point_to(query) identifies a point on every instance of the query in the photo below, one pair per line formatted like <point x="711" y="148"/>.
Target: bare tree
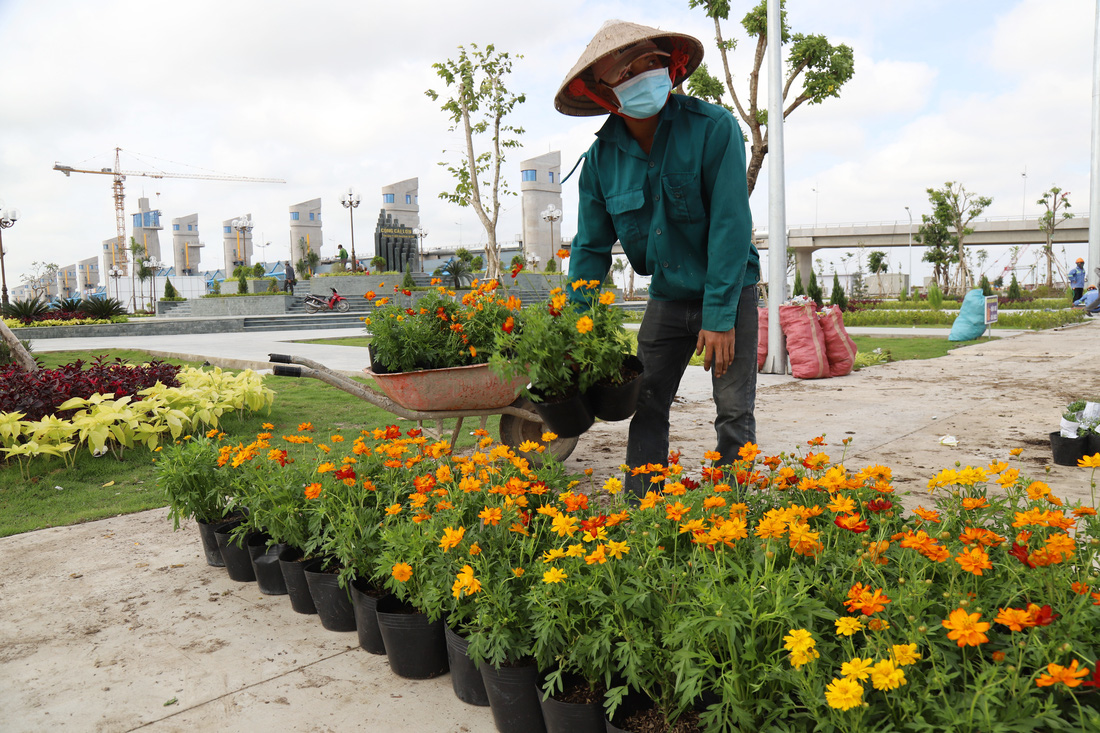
<point x="1051" y="201"/>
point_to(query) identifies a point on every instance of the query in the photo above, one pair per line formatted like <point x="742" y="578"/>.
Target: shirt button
<point x="652" y="164"/>
<point x="657" y="197"/>
<point x="664" y="264"/>
<point x="658" y="232"/>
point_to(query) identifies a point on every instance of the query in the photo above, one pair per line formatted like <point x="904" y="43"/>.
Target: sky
<point x="994" y="94"/>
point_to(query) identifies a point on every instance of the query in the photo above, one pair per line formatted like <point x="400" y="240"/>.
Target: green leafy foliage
<point x="1014" y="290"/>
<point x="798" y="289"/>
<point x="813" y="291"/>
<point x="193" y="483"/>
<point x="170" y="292"/>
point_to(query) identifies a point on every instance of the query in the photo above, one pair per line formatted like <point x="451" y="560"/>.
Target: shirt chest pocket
<point x="683" y="197"/>
<point x="626" y="214"/>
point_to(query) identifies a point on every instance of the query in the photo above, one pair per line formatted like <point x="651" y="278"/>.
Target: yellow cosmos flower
<point x="451" y="537"/>
<point x="551" y="555"/>
<point x="857" y="669"/>
<point x="553" y="575"/>
<point x="844" y="694"/>
<point x="848" y="625"/>
<point x="904" y="654"/>
<point x="885" y="676"/>
<point x="575" y="551"/>
<point x="564" y="525"/>
<point x="585" y="324"/>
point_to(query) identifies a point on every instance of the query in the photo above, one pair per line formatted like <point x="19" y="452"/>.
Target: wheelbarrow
<point x="518" y="421"/>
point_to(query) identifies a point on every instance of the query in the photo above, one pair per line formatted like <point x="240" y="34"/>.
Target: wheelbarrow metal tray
<point x="472" y="387"/>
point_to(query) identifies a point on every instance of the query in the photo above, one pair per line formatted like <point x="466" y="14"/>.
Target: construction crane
<point x="119" y="195"/>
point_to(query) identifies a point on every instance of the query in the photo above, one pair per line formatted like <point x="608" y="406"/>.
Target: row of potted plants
<point x="1078" y="434"/>
<point x="778" y="591"/>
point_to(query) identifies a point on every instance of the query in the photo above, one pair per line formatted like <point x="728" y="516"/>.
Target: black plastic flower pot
<point x="465" y="676"/>
<point x="1067" y="451"/>
<point x="294" y="575"/>
<point x="1092" y="444"/>
<point x="568" y="417"/>
<point x="416" y="648"/>
<point x="364" y="599"/>
<point x="238" y="563"/>
<point x="617" y="402"/>
<point x="571" y="717"/>
<point x="514" y="697"/>
<point x="332" y="602"/>
<point x="265" y="565"/>
<point x="210" y="544"/>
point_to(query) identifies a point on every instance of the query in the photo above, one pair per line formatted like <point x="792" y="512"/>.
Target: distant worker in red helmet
<point x="1077" y="280"/>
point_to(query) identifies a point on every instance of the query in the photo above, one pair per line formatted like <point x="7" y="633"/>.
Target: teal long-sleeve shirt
<point x="681" y="212"/>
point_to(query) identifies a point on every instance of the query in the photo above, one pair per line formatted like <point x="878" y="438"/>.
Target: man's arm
<point x="590" y="253"/>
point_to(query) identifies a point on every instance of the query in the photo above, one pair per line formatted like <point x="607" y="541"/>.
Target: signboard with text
<point x="990" y="309"/>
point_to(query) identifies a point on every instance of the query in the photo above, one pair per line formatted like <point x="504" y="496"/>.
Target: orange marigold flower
<point x="749" y="452"/>
<point x="402" y="571"/>
<point x="313" y="491"/>
<point x="967" y="629"/>
<point x="1016" y="619"/>
<point x="974" y="502"/>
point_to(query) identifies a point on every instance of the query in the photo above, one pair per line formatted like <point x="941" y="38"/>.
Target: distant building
<point x="401" y="201"/>
<point x="87" y="276"/>
<point x="186" y="247"/>
<point x="115" y="257"/>
<point x="540" y="187"/>
<point x="65" y="285"/>
<point x="305" y="229"/>
<point x="236" y="245"/>
<point x="146" y="230"/>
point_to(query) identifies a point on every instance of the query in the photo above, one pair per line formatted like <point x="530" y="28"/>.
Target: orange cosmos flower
<point x="451" y="537"/>
<point x="402" y="572"/>
<point x="491" y="516"/>
<point x="313" y="491"/>
<point x="749" y="452"/>
<point x="974" y="502"/>
<point x="966" y="629"/>
<point x="1069" y="676"/>
<point x="974" y="561"/>
<point x="676" y="511"/>
<point x="607" y="298"/>
<point x="1016" y="619"/>
<point x="860" y="598"/>
<point x="584" y="324"/>
<point x="927" y="515"/>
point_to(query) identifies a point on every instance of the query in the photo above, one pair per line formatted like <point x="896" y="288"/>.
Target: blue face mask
<point x="645" y="94"/>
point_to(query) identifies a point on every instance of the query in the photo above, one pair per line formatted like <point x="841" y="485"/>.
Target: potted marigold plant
<point x="412" y="345"/>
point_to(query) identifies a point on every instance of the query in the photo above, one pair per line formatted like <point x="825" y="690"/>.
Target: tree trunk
<point x="22" y="357"/>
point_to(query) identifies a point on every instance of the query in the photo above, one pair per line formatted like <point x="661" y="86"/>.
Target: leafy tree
<point x="464" y="254"/>
<point x="242" y="283"/>
<point x="378" y="262"/>
<point x="813" y="290"/>
<point x="479" y="104"/>
<point x="838" y="297"/>
<point x="518" y="260"/>
<point x="170" y="292"/>
<point x="216" y="287"/>
<point x="407" y="282"/>
<point x="258" y="270"/>
<point x="939" y="248"/>
<point x="478" y="263"/>
<point x="987" y="289"/>
<point x="1014" y="291"/>
<point x="878" y="263"/>
<point x="955" y="207"/>
<point x="798" y="288"/>
<point x="823" y="68"/>
<point x="1051" y="201"/>
<point x="551" y="266"/>
<point x="619" y="265"/>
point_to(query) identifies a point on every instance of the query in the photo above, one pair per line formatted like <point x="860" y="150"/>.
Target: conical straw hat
<point x="612" y="36"/>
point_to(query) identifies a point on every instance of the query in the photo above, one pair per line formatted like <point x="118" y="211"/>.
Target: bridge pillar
<point x="803" y="256"/>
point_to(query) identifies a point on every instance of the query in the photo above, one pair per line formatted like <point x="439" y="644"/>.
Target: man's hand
<point x="718" y="346"/>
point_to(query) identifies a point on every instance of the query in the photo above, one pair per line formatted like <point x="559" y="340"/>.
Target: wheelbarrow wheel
<point x="515" y="430"/>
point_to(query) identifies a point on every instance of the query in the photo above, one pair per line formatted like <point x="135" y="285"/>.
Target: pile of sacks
<point x="818" y="346"/>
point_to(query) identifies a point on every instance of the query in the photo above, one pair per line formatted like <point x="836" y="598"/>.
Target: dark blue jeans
<point x="666" y="342"/>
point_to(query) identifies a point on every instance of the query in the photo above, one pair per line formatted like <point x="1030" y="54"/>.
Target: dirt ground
<point x="119" y="625"/>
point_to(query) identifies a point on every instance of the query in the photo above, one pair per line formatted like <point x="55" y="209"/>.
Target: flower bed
<point x="782" y="591"/>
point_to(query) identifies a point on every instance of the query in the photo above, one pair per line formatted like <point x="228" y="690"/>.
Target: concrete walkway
<point x="119" y="625"/>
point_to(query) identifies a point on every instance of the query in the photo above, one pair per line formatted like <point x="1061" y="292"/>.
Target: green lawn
<point x="104" y="487"/>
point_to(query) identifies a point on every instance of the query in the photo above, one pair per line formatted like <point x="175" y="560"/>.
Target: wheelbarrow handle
<point x="279" y="370"/>
<point x="280" y="358"/>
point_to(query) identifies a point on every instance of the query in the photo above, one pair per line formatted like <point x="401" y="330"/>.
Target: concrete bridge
<point x="878" y="235"/>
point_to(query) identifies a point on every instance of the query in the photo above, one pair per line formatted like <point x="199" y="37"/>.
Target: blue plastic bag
<point x="970" y="323"/>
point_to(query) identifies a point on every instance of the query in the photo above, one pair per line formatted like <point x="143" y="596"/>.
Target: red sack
<point x="839" y="347"/>
<point x="805" y="341"/>
<point x="762" y="338"/>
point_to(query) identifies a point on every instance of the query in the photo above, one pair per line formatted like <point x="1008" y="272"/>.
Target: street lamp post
<point x="115" y="273"/>
<point x="152" y="264"/>
<point x="242" y="224"/>
<point x="7" y="220"/>
<point x="910" y="213"/>
<point x="552" y="214"/>
<point x="350" y="201"/>
<point x="420" y="233"/>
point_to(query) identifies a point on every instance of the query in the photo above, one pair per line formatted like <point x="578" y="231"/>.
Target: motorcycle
<point x="335" y="302"/>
